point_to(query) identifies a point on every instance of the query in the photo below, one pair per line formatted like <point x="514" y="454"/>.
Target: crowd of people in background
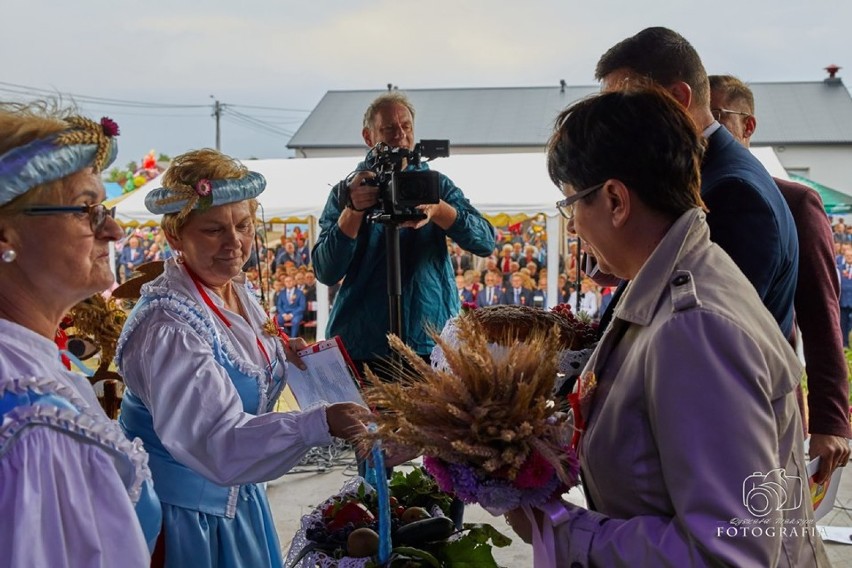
<point x="843" y="257"/>
<point x="140" y="245"/>
<point x="287" y="281"/>
<point x="515" y="273"/>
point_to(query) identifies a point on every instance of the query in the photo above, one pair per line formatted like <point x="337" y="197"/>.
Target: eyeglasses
<point x="566" y="206"/>
<point x="97" y="213"/>
<point x="718" y="113"/>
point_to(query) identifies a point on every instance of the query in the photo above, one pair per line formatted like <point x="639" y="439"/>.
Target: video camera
<point x="401" y="191"/>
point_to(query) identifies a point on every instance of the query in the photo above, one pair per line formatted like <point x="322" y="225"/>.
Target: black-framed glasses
<point x="719" y="113"/>
<point x="97" y="213"/>
<point x="566" y="206"/>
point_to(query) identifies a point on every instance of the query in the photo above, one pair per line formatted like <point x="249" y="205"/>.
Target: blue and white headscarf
<point x="83" y="144"/>
<point x="182" y="199"/>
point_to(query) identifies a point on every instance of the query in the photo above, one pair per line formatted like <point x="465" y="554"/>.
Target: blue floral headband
<point x="182" y="198"/>
<point x="85" y="143"/>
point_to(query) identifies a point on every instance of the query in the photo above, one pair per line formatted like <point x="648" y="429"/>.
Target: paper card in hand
<point x="329" y="377"/>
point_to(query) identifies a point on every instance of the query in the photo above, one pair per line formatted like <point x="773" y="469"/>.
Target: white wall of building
<point x="830" y="165"/>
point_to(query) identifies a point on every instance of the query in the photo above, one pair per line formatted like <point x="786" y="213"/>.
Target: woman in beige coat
<point x="691" y="446"/>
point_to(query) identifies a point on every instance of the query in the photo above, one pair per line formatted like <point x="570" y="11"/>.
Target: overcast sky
<point x="286" y="54"/>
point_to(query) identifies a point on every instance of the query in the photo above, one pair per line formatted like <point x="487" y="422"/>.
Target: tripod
<point x="392" y="221"/>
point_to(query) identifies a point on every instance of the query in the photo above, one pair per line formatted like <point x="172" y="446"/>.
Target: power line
<point x="258" y="123"/>
<point x="26" y="90"/>
<point x="277" y="120"/>
<point x="253" y="126"/>
<point x="220" y="110"/>
<point x="94" y="107"/>
<point x="273" y="108"/>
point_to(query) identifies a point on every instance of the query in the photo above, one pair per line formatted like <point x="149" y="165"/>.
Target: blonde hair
<point x="187" y="169"/>
<point x="385" y="100"/>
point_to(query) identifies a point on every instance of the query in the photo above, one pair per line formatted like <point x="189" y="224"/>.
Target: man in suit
<point x="490" y="295"/>
<point x="490" y="266"/>
<point x="461" y="260"/>
<point x="287" y="253"/>
<point x="290" y="306"/>
<point x="516" y="294"/>
<point x="303" y="251"/>
<point x="748" y="217"/>
<point x="817" y="299"/>
<point x="132" y="255"/>
<point x="845" y="269"/>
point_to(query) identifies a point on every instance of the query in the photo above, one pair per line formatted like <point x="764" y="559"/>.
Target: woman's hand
<point x="290" y="349"/>
<point x="518" y="521"/>
<point x="346" y="420"/>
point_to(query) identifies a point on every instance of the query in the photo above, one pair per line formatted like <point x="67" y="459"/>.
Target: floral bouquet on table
<point x="486" y="422"/>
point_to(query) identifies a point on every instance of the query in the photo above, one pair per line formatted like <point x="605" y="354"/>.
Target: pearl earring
<point x="9" y="255"/>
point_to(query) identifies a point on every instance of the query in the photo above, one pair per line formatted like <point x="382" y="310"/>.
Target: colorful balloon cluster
<point x="134" y="177"/>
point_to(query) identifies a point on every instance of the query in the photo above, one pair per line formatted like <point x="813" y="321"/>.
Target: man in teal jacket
<point x="353" y="249"/>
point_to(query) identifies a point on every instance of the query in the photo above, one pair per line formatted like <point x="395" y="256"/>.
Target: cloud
<point x="290" y="52"/>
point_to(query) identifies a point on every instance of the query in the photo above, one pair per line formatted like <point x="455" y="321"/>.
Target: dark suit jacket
<point x="818" y="312"/>
<point x="482" y="298"/>
<point x="508" y="297"/>
<point x="749" y="219"/>
<point x="465" y="264"/>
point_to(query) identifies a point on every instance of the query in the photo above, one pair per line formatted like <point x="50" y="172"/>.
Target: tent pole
<point x="554" y="230"/>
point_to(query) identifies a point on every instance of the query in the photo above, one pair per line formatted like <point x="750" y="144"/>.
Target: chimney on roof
<point x="832" y="78"/>
<point x="562" y="86"/>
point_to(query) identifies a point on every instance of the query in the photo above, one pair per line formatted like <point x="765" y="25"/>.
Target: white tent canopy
<point x="494" y="183"/>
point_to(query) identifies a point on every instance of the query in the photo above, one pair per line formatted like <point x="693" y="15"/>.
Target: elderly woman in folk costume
<point x="69" y="479"/>
<point x="204" y="366"/>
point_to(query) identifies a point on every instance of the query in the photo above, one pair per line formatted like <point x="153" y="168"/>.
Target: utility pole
<point x="217" y="114"/>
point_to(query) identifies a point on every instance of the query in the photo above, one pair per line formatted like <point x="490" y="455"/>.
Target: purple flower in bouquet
<point x="500" y="494"/>
<point x="540" y="495"/>
<point x="465" y="483"/>
<point x="439" y="471"/>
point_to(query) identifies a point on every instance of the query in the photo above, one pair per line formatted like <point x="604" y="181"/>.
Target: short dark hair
<point x="732" y="89"/>
<point x="662" y="55"/>
<point x="642" y="137"/>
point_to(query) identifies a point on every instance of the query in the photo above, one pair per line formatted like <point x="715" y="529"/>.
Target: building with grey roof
<point x="808" y="123"/>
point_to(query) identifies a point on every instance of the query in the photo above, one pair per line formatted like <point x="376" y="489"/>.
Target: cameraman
<point x="351" y="248"/>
